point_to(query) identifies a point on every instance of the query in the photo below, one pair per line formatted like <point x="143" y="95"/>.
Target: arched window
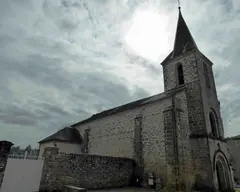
<point x="214" y="124"/>
<point x="180" y="74"/>
<point x="206" y="75"/>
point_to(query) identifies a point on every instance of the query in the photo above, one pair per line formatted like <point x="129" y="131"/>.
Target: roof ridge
<point x="130" y="105"/>
<point x="67" y="134"/>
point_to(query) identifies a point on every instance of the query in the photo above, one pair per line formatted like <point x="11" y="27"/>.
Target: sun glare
<point x="148" y="34"/>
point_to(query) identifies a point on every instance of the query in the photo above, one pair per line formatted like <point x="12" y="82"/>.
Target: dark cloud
<point x="61" y="61"/>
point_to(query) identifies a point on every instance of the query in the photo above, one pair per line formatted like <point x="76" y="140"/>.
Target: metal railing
<point x="24" y="157"/>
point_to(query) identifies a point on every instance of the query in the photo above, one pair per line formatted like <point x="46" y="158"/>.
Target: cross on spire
<point x="179" y="5"/>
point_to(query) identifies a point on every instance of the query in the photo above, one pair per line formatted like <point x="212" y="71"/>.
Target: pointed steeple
<point x="183" y="39"/>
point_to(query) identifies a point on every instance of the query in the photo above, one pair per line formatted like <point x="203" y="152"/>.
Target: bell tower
<point x="187" y="67"/>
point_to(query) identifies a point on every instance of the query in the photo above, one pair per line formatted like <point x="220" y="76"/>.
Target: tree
<point x="15" y="150"/>
<point x="28" y="148"/>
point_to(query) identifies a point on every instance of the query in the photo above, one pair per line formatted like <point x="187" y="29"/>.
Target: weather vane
<point x="179" y="6"/>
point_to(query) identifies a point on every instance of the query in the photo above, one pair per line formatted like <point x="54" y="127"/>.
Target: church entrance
<point x="223" y="175"/>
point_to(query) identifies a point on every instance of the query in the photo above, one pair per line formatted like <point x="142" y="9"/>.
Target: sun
<point x="147" y="35"/>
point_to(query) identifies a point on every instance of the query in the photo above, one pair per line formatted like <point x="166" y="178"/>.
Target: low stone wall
<point x="5" y="147"/>
<point x="86" y="171"/>
<point x="3" y="162"/>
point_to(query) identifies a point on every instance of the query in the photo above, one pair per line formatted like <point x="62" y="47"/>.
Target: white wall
<point x="63" y="147"/>
<point x="22" y="175"/>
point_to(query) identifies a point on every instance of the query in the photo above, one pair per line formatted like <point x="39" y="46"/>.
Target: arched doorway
<point x="223" y="174"/>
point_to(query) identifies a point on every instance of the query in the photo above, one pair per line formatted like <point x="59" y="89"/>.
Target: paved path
<point x="123" y="190"/>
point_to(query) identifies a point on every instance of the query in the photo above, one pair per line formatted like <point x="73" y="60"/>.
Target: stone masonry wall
<point x="116" y="135"/>
<point x="189" y="71"/>
<point x="234" y="148"/>
<point x="87" y="171"/>
<point x="211" y="103"/>
<point x="209" y="95"/>
<point x="3" y="162"/>
<point x="177" y="143"/>
<point x="200" y="151"/>
<point x="5" y="147"/>
<point x="183" y="131"/>
<point x="170" y="150"/>
<point x="198" y="132"/>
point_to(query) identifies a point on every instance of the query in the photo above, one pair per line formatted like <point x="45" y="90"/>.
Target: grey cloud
<point x="11" y="119"/>
<point x="61" y="61"/>
<point x="54" y="109"/>
<point x="12" y="114"/>
<point x="82" y="112"/>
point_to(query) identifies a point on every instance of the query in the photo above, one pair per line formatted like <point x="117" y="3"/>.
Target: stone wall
<point x="3" y="162"/>
<point x="140" y="134"/>
<point x="117" y="135"/>
<point x="119" y="130"/>
<point x="5" y="147"/>
<point x="201" y="99"/>
<point x="209" y="93"/>
<point x="211" y="104"/>
<point x="170" y="146"/>
<point x="234" y="148"/>
<point x="197" y="107"/>
<point x="182" y="132"/>
<point x="177" y="143"/>
<point x="87" y="171"/>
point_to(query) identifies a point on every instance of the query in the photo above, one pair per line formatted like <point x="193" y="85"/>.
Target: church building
<point x="175" y="135"/>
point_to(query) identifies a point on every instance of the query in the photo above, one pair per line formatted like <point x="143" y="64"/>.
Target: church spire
<point x="183" y="39"/>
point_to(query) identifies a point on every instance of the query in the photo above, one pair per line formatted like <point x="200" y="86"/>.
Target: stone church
<point x="174" y="135"/>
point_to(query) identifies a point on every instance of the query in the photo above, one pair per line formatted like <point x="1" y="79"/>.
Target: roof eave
<point x="60" y="140"/>
<point x="166" y="60"/>
<point x="171" y="92"/>
<point x="8" y="142"/>
<point x="232" y="138"/>
<point x="208" y="60"/>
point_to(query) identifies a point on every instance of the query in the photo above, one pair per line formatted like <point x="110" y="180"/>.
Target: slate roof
<point x="183" y="38"/>
<point x="184" y="41"/>
<point x="131" y="105"/>
<point x="7" y="143"/>
<point x="67" y="134"/>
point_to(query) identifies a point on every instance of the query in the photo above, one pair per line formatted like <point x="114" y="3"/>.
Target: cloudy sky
<point x="63" y="60"/>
